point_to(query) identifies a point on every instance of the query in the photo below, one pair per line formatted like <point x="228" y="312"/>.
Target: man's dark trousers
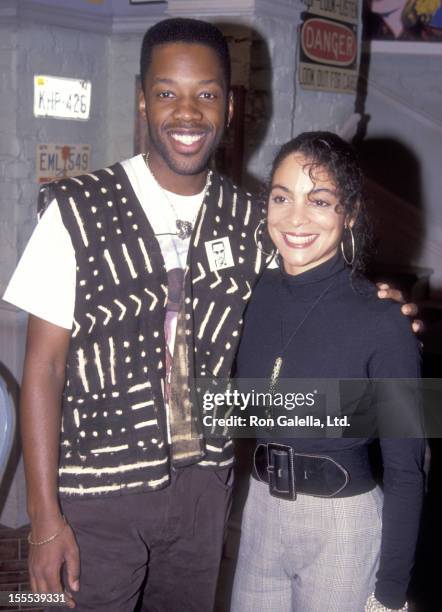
<point x="163" y="547"/>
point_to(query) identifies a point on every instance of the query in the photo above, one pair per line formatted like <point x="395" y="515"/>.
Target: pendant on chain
<point x="275" y="374"/>
<point x="184" y="229"/>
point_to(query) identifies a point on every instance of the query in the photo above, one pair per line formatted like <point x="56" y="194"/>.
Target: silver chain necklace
<point x="184" y="228"/>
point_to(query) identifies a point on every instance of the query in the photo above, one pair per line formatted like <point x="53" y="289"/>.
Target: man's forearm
<point x="40" y="412"/>
<point x="40" y="408"/>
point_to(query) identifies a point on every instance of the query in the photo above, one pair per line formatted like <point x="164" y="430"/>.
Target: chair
<point x="7" y="426"/>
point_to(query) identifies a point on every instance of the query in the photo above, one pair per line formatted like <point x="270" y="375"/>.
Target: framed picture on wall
<point x="404" y="20"/>
<point x="228" y="159"/>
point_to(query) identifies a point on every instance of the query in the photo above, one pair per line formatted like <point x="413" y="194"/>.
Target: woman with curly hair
<point x="318" y="533"/>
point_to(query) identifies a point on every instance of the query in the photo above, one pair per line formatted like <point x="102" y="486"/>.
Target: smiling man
<point x="127" y="501"/>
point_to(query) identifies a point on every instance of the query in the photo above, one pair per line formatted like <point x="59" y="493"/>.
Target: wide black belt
<point x="288" y="473"/>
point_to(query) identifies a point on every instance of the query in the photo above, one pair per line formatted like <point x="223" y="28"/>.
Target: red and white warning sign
<point x="329" y="47"/>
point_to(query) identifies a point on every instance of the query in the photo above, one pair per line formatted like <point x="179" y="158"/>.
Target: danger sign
<point x="328" y="55"/>
<point x="328" y="42"/>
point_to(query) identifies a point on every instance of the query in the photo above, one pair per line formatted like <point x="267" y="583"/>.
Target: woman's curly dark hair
<point x="329" y="151"/>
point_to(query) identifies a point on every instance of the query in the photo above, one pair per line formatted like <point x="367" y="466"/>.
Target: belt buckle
<point x="281" y="471"/>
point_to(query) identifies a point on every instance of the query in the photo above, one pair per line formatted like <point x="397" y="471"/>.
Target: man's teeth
<point x="187" y="139"/>
<point x="300" y="239"/>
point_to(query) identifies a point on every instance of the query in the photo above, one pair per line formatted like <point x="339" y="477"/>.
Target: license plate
<point x="56" y="161"/>
<point x="61" y="98"/>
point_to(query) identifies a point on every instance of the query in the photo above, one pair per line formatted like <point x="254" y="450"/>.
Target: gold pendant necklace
<point x="274" y="378"/>
<point x="184" y="228"/>
<point x="275" y="374"/>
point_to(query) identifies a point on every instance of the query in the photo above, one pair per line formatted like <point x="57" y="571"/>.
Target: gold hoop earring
<point x="353" y="248"/>
<point x="258" y="244"/>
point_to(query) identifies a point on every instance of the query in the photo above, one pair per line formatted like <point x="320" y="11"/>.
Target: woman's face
<point x="303" y="220"/>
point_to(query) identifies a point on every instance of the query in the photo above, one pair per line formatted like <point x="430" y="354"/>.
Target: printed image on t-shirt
<point x="175" y="279"/>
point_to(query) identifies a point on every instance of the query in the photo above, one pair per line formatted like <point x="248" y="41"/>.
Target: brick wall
<point x="13" y="563"/>
<point x="27" y="49"/>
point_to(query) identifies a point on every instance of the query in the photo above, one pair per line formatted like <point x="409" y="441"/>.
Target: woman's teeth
<point x="300" y="239"/>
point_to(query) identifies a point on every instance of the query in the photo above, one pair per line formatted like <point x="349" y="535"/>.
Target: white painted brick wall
<point x="25" y="50"/>
<point x="58" y="52"/>
<point x="124" y="55"/>
<point x="405" y="104"/>
<point x="279" y="81"/>
<point x="10" y="339"/>
<point x="9" y="150"/>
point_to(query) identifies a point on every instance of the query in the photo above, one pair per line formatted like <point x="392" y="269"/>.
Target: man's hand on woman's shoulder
<point x="409" y="310"/>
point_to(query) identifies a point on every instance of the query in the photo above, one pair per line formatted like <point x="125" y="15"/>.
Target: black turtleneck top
<point x="350" y="333"/>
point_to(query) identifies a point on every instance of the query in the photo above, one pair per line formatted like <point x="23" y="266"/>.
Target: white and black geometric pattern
<point x="113" y="438"/>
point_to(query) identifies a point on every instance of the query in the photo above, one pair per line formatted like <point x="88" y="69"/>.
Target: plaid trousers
<point x="308" y="555"/>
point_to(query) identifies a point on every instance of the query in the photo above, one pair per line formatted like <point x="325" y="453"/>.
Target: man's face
<point x="220" y="253"/>
<point x="186" y="106"/>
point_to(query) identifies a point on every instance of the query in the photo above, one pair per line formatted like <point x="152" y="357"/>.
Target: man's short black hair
<point x="181" y="30"/>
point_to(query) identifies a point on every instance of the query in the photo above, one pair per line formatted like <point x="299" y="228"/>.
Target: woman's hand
<point x="409" y="310"/>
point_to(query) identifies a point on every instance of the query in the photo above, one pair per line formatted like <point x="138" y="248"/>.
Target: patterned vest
<point x="113" y="438"/>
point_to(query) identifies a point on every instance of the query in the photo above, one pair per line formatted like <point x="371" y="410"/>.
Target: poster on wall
<point x="404" y="20"/>
<point x="56" y="161"/>
<point x="328" y="42"/>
